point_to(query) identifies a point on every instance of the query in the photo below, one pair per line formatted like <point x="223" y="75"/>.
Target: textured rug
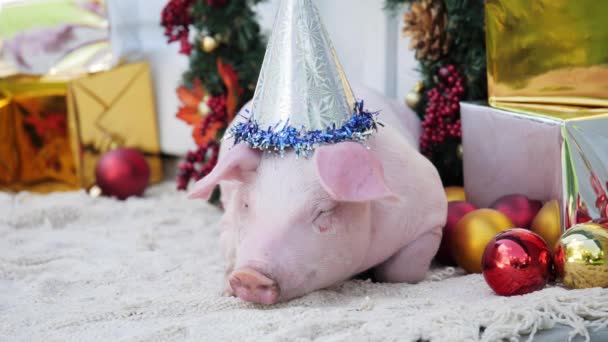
<point x="76" y="268"/>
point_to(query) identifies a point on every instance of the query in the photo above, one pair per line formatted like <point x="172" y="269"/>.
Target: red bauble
<point x="456" y="210"/>
<point x="122" y="173"/>
<point x="516" y="262"/>
<point x="519" y="209"/>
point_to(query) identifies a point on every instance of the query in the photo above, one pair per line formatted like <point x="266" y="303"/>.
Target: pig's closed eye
<point x="323" y="223"/>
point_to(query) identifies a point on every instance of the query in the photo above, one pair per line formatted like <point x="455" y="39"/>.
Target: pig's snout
<point x="252" y="286"/>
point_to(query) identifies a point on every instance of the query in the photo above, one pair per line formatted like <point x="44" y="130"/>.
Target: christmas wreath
<point x="223" y="41"/>
<point x="449" y="40"/>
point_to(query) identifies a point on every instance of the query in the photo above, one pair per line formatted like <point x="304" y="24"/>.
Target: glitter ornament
<point x="516" y="262"/>
<point x="518" y="208"/>
<point x="122" y="173"/>
<point x="581" y="256"/>
<point x="472" y="234"/>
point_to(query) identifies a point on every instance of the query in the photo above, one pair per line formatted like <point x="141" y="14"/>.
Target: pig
<point x="295" y="225"/>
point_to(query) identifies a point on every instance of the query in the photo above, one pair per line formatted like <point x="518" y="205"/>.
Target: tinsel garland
<point x="274" y="139"/>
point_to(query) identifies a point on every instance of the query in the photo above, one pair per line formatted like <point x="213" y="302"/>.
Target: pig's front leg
<point x="411" y="263"/>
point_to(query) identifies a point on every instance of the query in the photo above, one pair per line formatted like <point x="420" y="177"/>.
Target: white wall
<point x="368" y="42"/>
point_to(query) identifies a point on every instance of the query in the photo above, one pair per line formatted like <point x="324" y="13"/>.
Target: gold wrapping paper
<point x="54" y="37"/>
<point x="113" y="109"/>
<point x="548" y="57"/>
<point x="57" y="130"/>
<point x="8" y="153"/>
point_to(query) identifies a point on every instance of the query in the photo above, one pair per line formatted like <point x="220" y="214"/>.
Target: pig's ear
<point x="239" y="161"/>
<point x="349" y="172"/>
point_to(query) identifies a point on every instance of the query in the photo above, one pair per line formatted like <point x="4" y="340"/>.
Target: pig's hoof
<point x="252" y="286"/>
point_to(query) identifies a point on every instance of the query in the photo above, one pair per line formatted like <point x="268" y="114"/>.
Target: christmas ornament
<point x="455" y="193"/>
<point x="518" y="208"/>
<point x="472" y="234"/>
<point x="547" y="223"/>
<point x="209" y="44"/>
<point x="122" y="173"/>
<point x="442" y="113"/>
<point x="415" y="95"/>
<point x="426" y="25"/>
<point x="413" y="99"/>
<point x="456" y="210"/>
<point x="516" y="262"/>
<point x="581" y="255"/>
<point x="95" y="191"/>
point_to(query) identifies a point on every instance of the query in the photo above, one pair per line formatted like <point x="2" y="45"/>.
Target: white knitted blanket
<point x="75" y="268"/>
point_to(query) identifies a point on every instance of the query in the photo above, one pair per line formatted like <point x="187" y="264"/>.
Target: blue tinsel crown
<point x="358" y="128"/>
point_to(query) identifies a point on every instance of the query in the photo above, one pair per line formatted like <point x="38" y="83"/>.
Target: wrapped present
<point x="61" y="128"/>
<point x="8" y="154"/>
<point x="63" y="37"/>
<point x="544" y="157"/>
<point x="548" y="56"/>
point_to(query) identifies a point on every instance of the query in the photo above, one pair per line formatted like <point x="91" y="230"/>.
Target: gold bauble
<point x="413" y="99"/>
<point x="95" y="191"/>
<point x="209" y="44"/>
<point x="548" y="224"/>
<point x="455" y="194"/>
<point x="581" y="256"/>
<point x="460" y="152"/>
<point x="473" y="233"/>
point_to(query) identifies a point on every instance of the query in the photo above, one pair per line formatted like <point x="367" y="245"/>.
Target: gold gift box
<point x="53" y="132"/>
<point x="548" y="57"/>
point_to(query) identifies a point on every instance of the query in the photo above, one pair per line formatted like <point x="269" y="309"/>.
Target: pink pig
<point x="292" y="226"/>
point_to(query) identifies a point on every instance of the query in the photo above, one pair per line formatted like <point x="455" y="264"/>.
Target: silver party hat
<point x="303" y="97"/>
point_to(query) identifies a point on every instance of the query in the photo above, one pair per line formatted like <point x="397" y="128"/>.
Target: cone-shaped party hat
<point x="303" y="98"/>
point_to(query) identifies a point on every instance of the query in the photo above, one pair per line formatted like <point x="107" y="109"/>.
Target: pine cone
<point x="426" y="25"/>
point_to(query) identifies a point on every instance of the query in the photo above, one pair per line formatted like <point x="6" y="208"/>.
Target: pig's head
<point x="302" y="224"/>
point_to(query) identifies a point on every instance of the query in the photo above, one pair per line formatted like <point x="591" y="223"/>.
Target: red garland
<point x="442" y="118"/>
<point x="217" y="3"/>
<point x="198" y="164"/>
<point x="176" y="18"/>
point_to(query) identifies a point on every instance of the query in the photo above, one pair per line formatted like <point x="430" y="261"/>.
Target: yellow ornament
<point x="455" y="194"/>
<point x="203" y="106"/>
<point x="548" y="224"/>
<point x="209" y="44"/>
<point x="473" y="233"/>
<point x="581" y="256"/>
<point x="412" y="99"/>
<point x="460" y="152"/>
